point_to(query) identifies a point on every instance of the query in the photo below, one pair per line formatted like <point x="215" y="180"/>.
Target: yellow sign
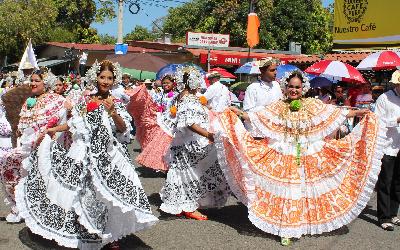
<point x="366" y="24"/>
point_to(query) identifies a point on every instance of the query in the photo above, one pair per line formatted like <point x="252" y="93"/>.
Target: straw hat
<point x="396" y="77"/>
<point x="147" y="81"/>
<point x="268" y="61"/>
<point x="213" y="74"/>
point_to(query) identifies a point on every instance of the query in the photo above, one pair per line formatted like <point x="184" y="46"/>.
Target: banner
<point x="253" y="23"/>
<point x="207" y="39"/>
<point x="366" y="24"/>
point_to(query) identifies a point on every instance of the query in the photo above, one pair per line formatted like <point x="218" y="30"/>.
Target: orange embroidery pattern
<point x="352" y="160"/>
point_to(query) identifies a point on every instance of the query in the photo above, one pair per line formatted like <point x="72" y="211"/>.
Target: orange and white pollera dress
<point x="297" y="180"/>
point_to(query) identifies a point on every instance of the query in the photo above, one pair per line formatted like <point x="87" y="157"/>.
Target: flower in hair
<point x="285" y="80"/>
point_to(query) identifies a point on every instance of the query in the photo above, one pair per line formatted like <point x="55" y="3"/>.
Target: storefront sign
<point x="207" y="39"/>
<point x="366" y="23"/>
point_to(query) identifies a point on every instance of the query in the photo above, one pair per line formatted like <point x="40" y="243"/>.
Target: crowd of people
<point x="70" y="177"/>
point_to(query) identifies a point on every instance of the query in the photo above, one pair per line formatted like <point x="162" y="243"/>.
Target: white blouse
<point x="388" y="110"/>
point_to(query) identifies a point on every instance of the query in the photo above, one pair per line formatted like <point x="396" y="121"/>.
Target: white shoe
<point x="13" y="218"/>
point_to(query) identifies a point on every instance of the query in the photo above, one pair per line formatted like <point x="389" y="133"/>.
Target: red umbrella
<point x="224" y="73"/>
<point x="336" y="70"/>
<point x="384" y="60"/>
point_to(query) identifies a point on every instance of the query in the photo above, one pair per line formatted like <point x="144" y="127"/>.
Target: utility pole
<point x="120" y="20"/>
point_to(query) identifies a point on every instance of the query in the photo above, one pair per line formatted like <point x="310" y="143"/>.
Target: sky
<point x="149" y="11"/>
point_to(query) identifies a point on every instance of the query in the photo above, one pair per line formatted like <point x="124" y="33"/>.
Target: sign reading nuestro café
<point x="207" y="39"/>
<point x="366" y="24"/>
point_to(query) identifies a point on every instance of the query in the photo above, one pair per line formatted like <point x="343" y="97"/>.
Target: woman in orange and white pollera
<point x="296" y="180"/>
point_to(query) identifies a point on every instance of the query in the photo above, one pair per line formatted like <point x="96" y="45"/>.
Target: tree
<point x="282" y="21"/>
<point x="74" y="14"/>
<point x="303" y="21"/>
<point x="21" y="20"/>
<point x="107" y="39"/>
<point x="139" y="33"/>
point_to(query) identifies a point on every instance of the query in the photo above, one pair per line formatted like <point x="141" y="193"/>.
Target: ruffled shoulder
<point x="191" y="111"/>
<point x="314" y="121"/>
<point x="47" y="107"/>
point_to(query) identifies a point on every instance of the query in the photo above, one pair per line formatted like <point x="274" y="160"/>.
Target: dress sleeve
<point x="381" y="112"/>
<point x="125" y="136"/>
<point x="249" y="102"/>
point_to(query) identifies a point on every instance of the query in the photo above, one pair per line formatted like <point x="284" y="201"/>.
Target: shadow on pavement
<point x="235" y="216"/>
<point x="150" y="173"/>
<point x="369" y="211"/>
<point x="154" y="199"/>
<point x="37" y="242"/>
<point x="132" y="242"/>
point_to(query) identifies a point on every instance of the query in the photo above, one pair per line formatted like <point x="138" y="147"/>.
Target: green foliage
<point x="282" y="21"/>
<point x="60" y="34"/>
<point x="87" y="35"/>
<point x="21" y="20"/>
<point x="75" y="13"/>
<point x="49" y="20"/>
<point x="140" y="33"/>
<point x="107" y="39"/>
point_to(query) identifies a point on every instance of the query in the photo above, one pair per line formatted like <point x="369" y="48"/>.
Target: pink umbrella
<point x="336" y="70"/>
<point x="384" y="60"/>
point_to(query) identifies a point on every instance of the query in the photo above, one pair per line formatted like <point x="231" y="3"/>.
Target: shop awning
<point x="51" y="63"/>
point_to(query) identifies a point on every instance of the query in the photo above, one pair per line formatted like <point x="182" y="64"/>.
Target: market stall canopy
<point x="139" y="61"/>
<point x="139" y="74"/>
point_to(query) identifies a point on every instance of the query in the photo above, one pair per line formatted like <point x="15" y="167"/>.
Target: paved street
<point x="228" y="228"/>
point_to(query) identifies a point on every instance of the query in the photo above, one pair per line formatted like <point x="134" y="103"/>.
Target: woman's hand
<point x="235" y="110"/>
<point x="51" y="132"/>
<point x="239" y="112"/>
<point x="210" y="136"/>
<point x="109" y="105"/>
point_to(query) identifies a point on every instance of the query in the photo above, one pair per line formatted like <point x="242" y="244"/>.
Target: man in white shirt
<point x="388" y="111"/>
<point x="82" y="62"/>
<point x="218" y="95"/>
<point x="263" y="92"/>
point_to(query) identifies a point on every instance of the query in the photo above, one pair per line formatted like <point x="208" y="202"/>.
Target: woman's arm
<point x="118" y="121"/>
<point x="201" y="131"/>
<point x="359" y="112"/>
<point x="240" y="113"/>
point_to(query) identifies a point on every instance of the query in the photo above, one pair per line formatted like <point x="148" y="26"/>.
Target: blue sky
<point x="150" y="10"/>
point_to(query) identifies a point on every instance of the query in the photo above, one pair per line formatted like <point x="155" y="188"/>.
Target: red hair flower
<point x="92" y="106"/>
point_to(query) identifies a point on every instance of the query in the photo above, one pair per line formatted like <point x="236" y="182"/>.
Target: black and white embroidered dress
<point x="194" y="179"/>
<point x="90" y="195"/>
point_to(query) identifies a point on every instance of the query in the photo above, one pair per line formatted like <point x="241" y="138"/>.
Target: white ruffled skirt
<point x="85" y="197"/>
<point x="194" y="179"/>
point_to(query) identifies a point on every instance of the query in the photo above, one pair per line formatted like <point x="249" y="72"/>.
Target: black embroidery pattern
<point x="188" y="155"/>
<point x="48" y="216"/>
<point x="64" y="169"/>
<point x="211" y="182"/>
<point x="121" y="188"/>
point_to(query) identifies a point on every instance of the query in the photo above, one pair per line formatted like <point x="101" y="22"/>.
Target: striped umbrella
<point x="383" y="60"/>
<point x="336" y="70"/>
